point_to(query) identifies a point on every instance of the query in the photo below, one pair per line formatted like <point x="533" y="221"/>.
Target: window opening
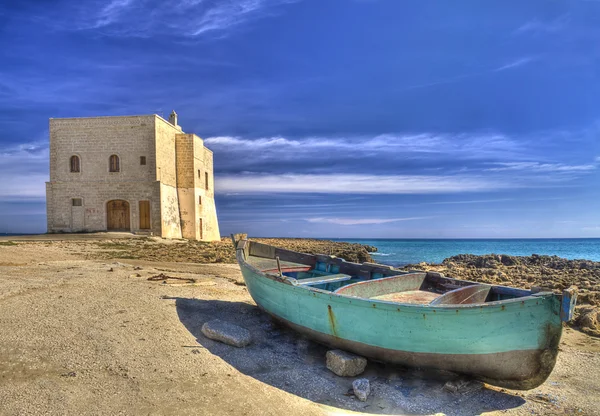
<point x="75" y="164"/>
<point x="114" y="164"/>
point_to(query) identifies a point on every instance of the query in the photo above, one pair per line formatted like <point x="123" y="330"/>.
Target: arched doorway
<point x="117" y="215"/>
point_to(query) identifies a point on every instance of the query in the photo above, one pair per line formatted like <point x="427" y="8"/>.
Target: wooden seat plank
<point x="319" y="280"/>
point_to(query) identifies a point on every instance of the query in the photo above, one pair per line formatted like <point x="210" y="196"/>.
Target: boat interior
<point x="369" y="280"/>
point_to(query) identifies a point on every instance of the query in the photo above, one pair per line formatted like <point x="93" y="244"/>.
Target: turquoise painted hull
<point x="511" y="343"/>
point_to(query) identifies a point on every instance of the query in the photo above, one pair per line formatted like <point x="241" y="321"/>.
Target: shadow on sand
<point x="285" y="360"/>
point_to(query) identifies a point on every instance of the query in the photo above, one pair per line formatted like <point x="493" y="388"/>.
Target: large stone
<point x="361" y="388"/>
<point x="588" y="320"/>
<point x="226" y="333"/>
<point x="345" y="364"/>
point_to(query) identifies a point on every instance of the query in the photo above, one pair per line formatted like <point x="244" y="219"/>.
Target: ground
<point x="82" y="335"/>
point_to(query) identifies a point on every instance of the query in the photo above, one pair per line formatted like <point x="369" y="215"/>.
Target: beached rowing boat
<point x="504" y="336"/>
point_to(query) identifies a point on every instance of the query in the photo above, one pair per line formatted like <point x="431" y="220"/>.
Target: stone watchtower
<point x="131" y="173"/>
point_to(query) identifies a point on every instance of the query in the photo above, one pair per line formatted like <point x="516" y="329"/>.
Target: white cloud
<point x="111" y="12"/>
<point x="142" y="18"/>
<point x="516" y="63"/>
<point x="462" y="146"/>
<point x="355" y="184"/>
<point x="541" y="167"/>
<point x="536" y="26"/>
<point x="361" y="221"/>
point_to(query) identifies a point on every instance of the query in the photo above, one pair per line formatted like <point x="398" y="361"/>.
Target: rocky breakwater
<point x="548" y="272"/>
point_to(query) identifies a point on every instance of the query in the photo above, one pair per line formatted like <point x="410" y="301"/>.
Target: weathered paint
<point x="512" y="343"/>
<point x="569" y="299"/>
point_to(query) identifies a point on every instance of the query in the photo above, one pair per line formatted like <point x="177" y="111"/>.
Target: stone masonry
<point x="163" y="184"/>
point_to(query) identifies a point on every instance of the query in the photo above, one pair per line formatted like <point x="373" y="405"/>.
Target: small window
<point x="114" y="164"/>
<point x="199" y="174"/>
<point x="142" y="160"/>
<point x="77" y="202"/>
<point x="75" y="164"/>
<point x="206" y="180"/>
<point x="200" y="200"/>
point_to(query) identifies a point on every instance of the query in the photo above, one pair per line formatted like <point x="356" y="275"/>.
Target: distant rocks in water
<point x="226" y="333"/>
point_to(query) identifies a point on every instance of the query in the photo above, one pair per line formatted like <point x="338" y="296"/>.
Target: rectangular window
<point x="200" y="200"/>
<point x="77" y="202"/>
<point x="142" y="160"/>
<point x="199" y="174"/>
<point x="206" y="180"/>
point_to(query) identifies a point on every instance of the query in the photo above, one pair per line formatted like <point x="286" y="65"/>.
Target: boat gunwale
<point x="486" y="305"/>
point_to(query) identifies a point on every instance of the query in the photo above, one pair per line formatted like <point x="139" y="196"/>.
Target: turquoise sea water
<point x="399" y="252"/>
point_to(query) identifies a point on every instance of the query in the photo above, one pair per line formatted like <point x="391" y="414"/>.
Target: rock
<point x="588" y="320"/>
<point x="226" y="333"/>
<point x="508" y="260"/>
<point x="361" y="388"/>
<point x="462" y="386"/>
<point x="135" y="275"/>
<point x="345" y="364"/>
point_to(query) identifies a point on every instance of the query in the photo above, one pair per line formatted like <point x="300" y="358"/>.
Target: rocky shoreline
<point x="154" y="249"/>
<point x="547" y="272"/>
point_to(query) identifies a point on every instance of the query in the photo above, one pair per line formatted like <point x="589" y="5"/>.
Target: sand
<point x="86" y="336"/>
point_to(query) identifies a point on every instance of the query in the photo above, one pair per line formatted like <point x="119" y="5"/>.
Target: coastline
<point x="81" y="324"/>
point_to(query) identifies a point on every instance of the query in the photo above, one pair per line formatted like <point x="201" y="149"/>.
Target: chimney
<point x="173" y="118"/>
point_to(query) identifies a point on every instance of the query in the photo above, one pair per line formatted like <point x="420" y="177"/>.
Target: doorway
<point x="117" y="215"/>
<point x="144" y="215"/>
<point x="77" y="215"/>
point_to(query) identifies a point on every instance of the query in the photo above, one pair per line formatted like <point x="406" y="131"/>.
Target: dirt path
<point x="96" y="337"/>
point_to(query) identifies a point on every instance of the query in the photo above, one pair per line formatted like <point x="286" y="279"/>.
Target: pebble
<point x="462" y="386"/>
<point x="361" y="388"/>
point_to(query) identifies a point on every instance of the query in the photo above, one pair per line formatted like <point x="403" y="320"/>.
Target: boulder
<point x="226" y="333"/>
<point x="588" y="320"/>
<point x="345" y="364"/>
<point x="361" y="388"/>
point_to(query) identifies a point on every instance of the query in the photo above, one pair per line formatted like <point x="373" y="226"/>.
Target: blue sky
<point x="337" y="118"/>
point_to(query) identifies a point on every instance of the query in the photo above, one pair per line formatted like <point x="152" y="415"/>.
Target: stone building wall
<point x="166" y="173"/>
<point x="208" y="210"/>
<point x="94" y="140"/>
<point x="185" y="184"/>
<point x="180" y="206"/>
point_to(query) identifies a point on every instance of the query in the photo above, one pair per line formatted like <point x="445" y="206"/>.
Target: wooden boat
<point x="503" y="336"/>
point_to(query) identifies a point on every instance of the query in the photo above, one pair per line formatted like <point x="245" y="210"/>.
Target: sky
<point x="337" y="118"/>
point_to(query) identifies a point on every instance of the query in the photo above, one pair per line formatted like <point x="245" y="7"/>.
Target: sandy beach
<point x="86" y="332"/>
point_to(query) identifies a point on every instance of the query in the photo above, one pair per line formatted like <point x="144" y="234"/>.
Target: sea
<point x="400" y="252"/>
